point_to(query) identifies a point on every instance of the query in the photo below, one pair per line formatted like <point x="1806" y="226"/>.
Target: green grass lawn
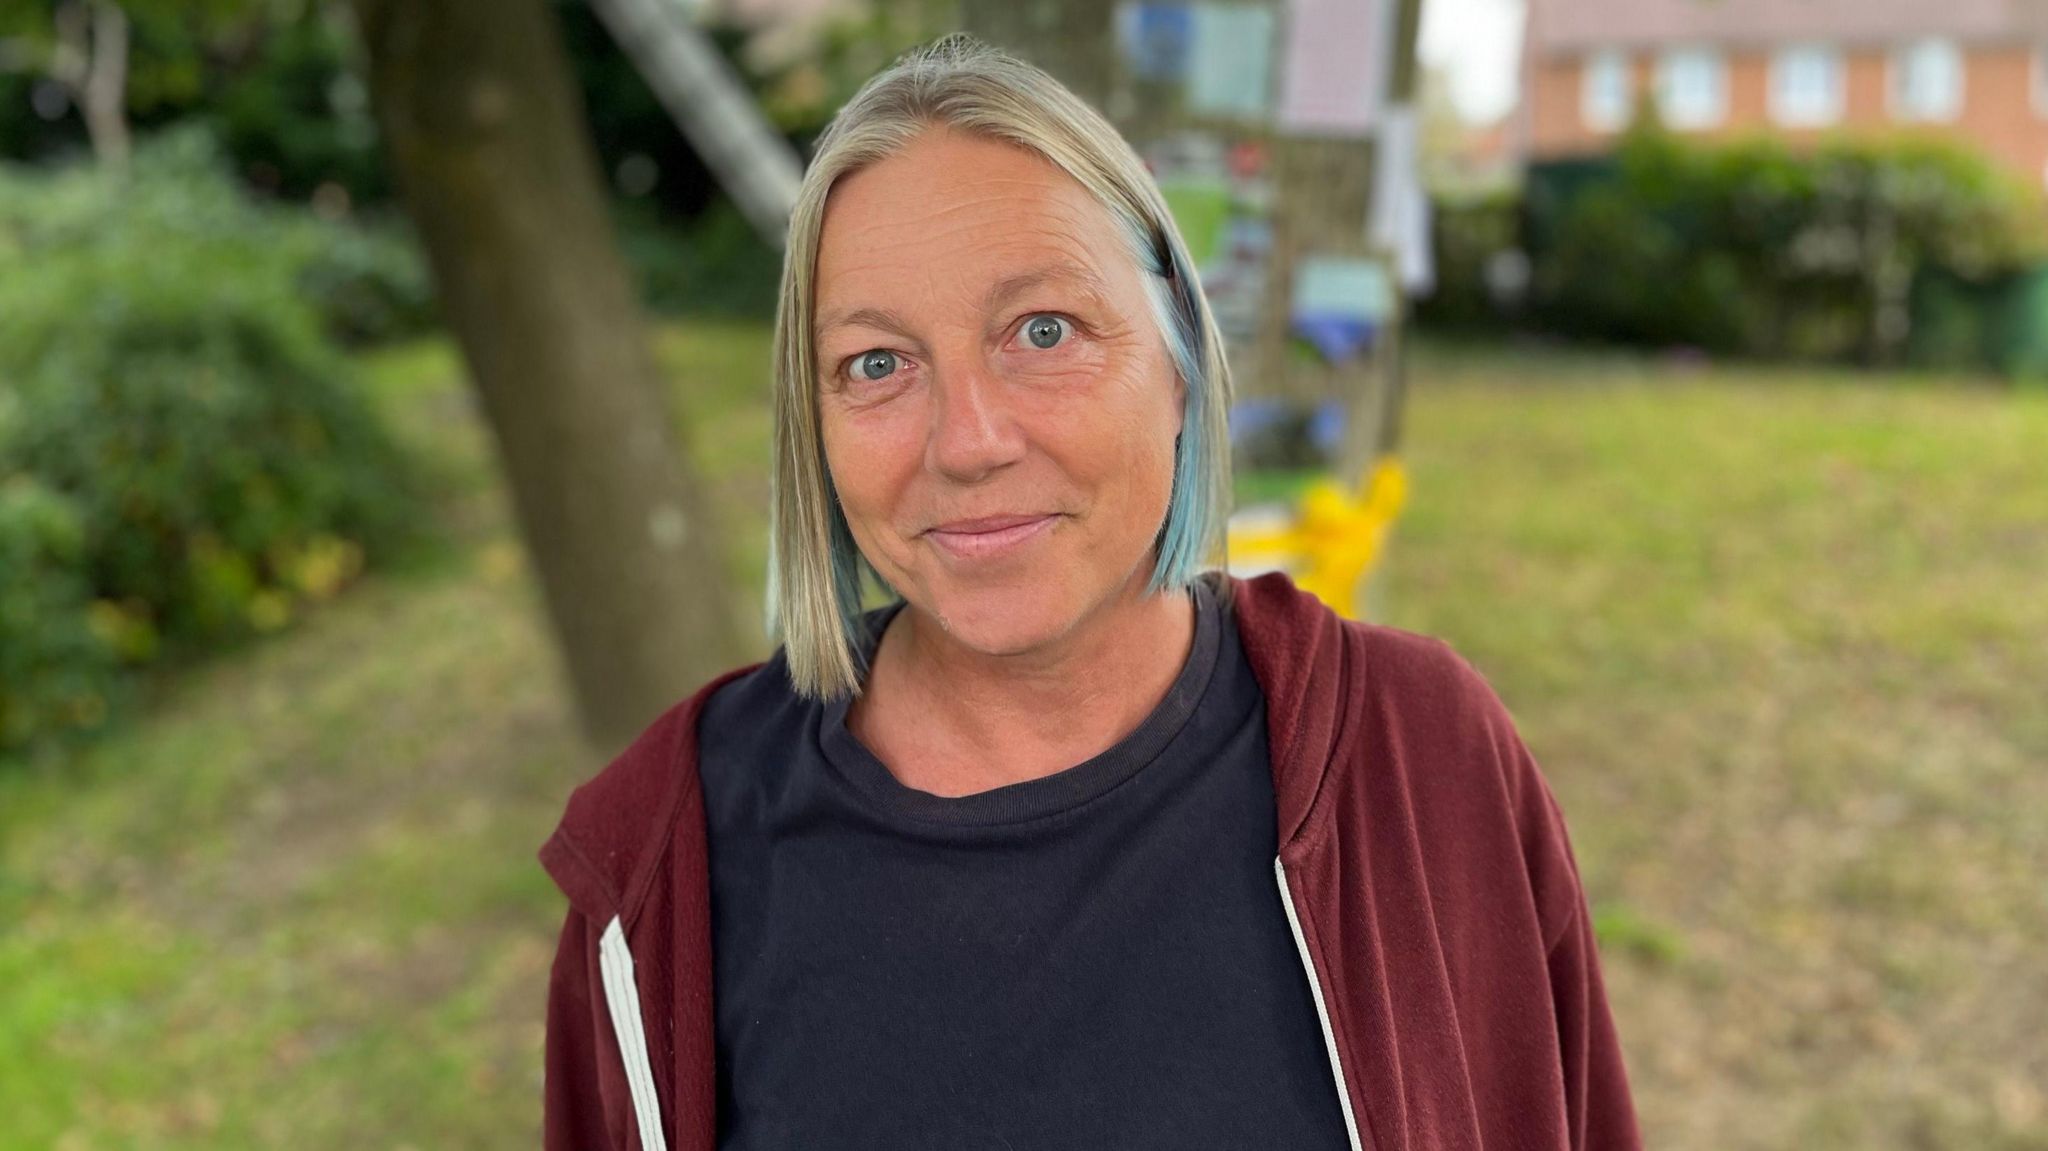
<point x="1779" y="639"/>
<point x="1781" y="643"/>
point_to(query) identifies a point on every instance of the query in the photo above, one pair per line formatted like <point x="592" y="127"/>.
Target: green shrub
<point x="716" y="266"/>
<point x="291" y="110"/>
<point x="365" y="281"/>
<point x="185" y="460"/>
<point x="1755" y="248"/>
<point x="1468" y="234"/>
<point x="57" y="673"/>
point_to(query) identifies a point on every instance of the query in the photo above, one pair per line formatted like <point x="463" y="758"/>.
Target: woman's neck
<point x="949" y="720"/>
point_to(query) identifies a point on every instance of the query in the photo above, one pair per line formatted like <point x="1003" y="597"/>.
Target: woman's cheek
<point x="865" y="502"/>
<point x="873" y="453"/>
<point x="867" y="424"/>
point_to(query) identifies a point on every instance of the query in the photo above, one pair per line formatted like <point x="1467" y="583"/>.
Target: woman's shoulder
<point x="616" y="822"/>
<point x="1372" y="708"/>
<point x="747" y="702"/>
<point x="1434" y="684"/>
<point x="751" y="740"/>
<point x="1422" y="703"/>
<point x="1337" y="681"/>
<point x="1436" y="734"/>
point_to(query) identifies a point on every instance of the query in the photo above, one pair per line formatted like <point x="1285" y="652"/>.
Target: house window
<point x="1806" y="87"/>
<point x="1692" y="88"/>
<point x="1605" y="99"/>
<point x="1927" y="81"/>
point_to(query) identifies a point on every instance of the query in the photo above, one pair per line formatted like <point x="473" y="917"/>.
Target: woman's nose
<point x="973" y="432"/>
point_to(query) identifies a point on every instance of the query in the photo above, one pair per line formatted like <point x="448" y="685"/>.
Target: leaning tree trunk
<point x="496" y="166"/>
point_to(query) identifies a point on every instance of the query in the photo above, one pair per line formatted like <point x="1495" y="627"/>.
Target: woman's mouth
<point x="988" y="537"/>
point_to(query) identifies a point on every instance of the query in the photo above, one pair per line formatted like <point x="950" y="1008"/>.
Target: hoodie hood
<point x="1304" y="657"/>
<point x="619" y="824"/>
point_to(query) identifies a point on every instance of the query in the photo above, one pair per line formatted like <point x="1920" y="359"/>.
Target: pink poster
<point x="1336" y="66"/>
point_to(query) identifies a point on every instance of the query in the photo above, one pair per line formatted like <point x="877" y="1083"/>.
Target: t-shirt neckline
<point x="1050" y="795"/>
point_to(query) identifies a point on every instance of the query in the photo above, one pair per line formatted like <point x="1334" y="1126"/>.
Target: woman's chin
<point x="1007" y="617"/>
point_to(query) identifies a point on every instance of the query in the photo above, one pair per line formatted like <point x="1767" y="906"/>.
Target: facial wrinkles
<point x="945" y="323"/>
<point x="931" y="267"/>
<point x="931" y="285"/>
<point x="946" y="252"/>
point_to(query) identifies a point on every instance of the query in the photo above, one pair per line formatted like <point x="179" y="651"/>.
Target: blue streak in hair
<point x="1184" y="539"/>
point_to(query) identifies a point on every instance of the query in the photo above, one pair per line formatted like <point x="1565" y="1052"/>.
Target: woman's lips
<point x="988" y="538"/>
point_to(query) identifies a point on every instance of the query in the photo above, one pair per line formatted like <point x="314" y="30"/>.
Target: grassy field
<point x="1779" y="640"/>
<point x="1781" y="643"/>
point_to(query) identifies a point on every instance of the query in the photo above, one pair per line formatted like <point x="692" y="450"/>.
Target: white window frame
<point x="1792" y="104"/>
<point x="1921" y="54"/>
<point x="1609" y="67"/>
<point x="1713" y="112"/>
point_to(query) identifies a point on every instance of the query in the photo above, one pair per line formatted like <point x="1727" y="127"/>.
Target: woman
<point x="1072" y="845"/>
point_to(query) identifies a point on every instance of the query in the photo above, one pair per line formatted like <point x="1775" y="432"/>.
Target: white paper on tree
<point x="1232" y="69"/>
<point x="1400" y="203"/>
<point x="1336" y="66"/>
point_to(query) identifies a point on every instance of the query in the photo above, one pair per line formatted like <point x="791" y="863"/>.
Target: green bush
<point x="1755" y="248"/>
<point x="57" y="673"/>
<point x="1468" y="234"/>
<point x="365" y="281"/>
<point x="183" y="458"/>
<point x="716" y="266"/>
<point x="290" y="108"/>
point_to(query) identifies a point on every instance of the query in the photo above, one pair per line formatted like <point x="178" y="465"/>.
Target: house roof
<point x="1567" y="26"/>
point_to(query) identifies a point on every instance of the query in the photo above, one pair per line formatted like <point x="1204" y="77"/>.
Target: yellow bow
<point x="1334" y="537"/>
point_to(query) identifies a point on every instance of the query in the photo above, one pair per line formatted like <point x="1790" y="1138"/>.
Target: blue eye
<point x="875" y="365"/>
<point x="1045" y="330"/>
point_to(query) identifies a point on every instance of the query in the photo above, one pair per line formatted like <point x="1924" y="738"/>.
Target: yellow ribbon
<point x="1335" y="537"/>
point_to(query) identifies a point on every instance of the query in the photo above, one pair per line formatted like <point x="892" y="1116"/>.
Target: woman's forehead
<point x="965" y="220"/>
<point x="950" y="167"/>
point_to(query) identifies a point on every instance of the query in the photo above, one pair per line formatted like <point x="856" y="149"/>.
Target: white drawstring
<point x="1315" y="987"/>
<point x="622" y="997"/>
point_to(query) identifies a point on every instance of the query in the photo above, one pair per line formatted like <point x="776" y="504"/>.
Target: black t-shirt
<point x="1095" y="959"/>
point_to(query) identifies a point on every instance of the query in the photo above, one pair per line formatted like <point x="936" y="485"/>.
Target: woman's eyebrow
<point x="881" y="319"/>
<point x="1010" y="287"/>
<point x="999" y="293"/>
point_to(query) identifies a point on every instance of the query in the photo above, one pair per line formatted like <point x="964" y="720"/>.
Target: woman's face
<point x="997" y="404"/>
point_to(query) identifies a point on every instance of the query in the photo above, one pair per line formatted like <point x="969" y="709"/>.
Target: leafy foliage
<point x="294" y="114"/>
<point x="272" y="78"/>
<point x="56" y="671"/>
<point x="1470" y="234"/>
<point x="365" y="281"/>
<point x="717" y="265"/>
<point x="182" y="459"/>
<point x="1756" y="248"/>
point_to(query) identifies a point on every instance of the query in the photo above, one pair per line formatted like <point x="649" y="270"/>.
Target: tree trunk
<point x="90" y="62"/>
<point x="105" y="102"/>
<point x="492" y="156"/>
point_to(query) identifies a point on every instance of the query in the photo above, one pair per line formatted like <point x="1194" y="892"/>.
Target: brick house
<point x="1975" y="69"/>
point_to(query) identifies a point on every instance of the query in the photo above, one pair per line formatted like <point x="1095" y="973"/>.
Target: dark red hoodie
<point x="1423" y="863"/>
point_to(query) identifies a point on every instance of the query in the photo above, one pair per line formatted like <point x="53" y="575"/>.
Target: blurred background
<point x="384" y="440"/>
